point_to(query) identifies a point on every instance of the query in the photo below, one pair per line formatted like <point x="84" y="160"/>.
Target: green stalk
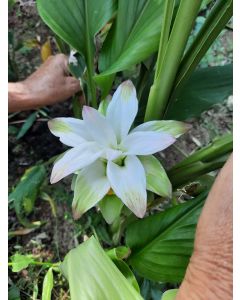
<point x="212" y="27"/>
<point x="39" y="263"/>
<point x="167" y="20"/>
<point x="201" y="162"/>
<point x="192" y="171"/>
<point x="90" y="62"/>
<point x="217" y="148"/>
<point x="77" y="106"/>
<point x="162" y="87"/>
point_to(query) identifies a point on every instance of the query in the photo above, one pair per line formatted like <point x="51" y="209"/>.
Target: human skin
<point x="209" y="274"/>
<point x="48" y="85"/>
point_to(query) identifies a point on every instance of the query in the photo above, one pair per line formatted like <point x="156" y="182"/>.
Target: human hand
<point x="50" y="84"/>
<point x="209" y="274"/>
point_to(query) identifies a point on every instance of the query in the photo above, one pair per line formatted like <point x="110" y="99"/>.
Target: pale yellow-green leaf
<point x="92" y="275"/>
<point x="47" y="285"/>
<point x="170" y="294"/>
<point x="20" y="262"/>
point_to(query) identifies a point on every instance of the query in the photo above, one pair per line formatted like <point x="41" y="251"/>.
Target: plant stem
<point x="162" y="86"/>
<point x="190" y="172"/>
<point x="167" y="20"/>
<point x="215" y="22"/>
<point x="90" y="62"/>
<point x="39" y="263"/>
<point x="217" y="148"/>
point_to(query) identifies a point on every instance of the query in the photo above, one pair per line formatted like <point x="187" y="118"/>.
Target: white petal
<point x="111" y="154"/>
<point x="157" y="179"/>
<point x="122" y="109"/>
<point x="71" y="131"/>
<point x="174" y="128"/>
<point x="90" y="187"/>
<point x="146" y="142"/>
<point x="129" y="184"/>
<point x="75" y="159"/>
<point x="98" y="127"/>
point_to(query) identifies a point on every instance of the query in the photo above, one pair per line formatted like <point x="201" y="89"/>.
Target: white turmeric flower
<point x="106" y="154"/>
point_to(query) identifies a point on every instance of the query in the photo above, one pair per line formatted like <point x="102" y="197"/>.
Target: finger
<point x="62" y="61"/>
<point x="73" y="84"/>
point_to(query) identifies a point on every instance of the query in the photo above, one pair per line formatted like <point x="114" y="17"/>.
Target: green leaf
<point x="110" y="207"/>
<point x="117" y="255"/>
<point x="157" y="179"/>
<point x="92" y="275"/>
<point x="214" y="24"/>
<point x="27" y="125"/>
<point x="170" y="295"/>
<point x="206" y="87"/>
<point x="47" y="285"/>
<point x="120" y="252"/>
<point x="26" y="191"/>
<point x="133" y="37"/>
<point x="77" y="22"/>
<point x="162" y="244"/>
<point x="20" y="262"/>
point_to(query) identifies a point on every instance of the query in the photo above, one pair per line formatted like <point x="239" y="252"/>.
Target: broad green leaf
<point x="20" y="262"/>
<point x="133" y="37"/>
<point x="110" y="207"/>
<point x="27" y="125"/>
<point x="162" y="244"/>
<point x="47" y="285"/>
<point x="157" y="179"/>
<point x="76" y="21"/>
<point x="170" y="295"/>
<point x="26" y="191"/>
<point x="205" y="87"/>
<point x="214" y="24"/>
<point x="92" y="275"/>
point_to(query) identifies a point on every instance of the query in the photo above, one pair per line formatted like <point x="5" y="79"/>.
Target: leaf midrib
<point x="174" y="224"/>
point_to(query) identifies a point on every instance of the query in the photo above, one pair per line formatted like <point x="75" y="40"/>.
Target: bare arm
<point x="50" y="84"/>
<point x="209" y="274"/>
